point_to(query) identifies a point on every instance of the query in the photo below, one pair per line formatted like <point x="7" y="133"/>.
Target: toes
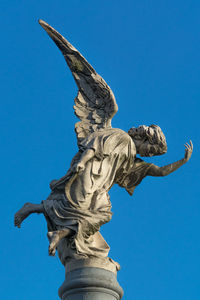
<point x="21" y="215"/>
<point x="52" y="251"/>
<point x="17" y="225"/>
<point x="17" y="222"/>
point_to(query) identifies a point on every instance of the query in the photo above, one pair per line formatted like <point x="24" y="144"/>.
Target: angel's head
<point x="149" y="140"/>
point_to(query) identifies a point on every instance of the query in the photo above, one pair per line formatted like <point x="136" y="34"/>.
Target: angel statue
<point x="79" y="204"/>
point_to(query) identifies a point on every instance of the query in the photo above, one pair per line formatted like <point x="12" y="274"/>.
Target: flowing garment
<point x="80" y="201"/>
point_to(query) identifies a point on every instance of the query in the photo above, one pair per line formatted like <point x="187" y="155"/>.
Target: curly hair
<point x="154" y="135"/>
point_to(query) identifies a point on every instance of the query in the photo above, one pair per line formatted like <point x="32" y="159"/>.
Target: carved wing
<point x="95" y="103"/>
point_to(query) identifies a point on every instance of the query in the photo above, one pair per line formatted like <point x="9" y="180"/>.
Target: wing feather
<point x="95" y="104"/>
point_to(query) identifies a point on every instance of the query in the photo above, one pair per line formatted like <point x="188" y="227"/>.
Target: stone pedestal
<point x="90" y="280"/>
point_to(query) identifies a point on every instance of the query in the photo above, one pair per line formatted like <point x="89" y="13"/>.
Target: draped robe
<point x="80" y="200"/>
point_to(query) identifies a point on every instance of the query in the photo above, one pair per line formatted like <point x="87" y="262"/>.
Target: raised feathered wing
<point x="95" y="103"/>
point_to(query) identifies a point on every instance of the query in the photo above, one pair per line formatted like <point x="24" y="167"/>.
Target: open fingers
<point x="187" y="146"/>
<point x="191" y="144"/>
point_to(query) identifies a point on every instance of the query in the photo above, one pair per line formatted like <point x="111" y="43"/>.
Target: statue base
<point x="90" y="279"/>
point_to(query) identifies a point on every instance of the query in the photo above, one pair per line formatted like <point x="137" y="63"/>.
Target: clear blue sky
<point x="149" y="53"/>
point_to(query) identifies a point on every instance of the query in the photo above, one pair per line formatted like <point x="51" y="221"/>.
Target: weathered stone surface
<point x="95" y="262"/>
<point x="79" y="204"/>
<point x="90" y="283"/>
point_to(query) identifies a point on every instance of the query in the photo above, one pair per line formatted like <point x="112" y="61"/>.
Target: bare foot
<point x="54" y="239"/>
<point x="22" y="214"/>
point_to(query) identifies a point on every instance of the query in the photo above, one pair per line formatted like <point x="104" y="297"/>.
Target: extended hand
<point x="188" y="150"/>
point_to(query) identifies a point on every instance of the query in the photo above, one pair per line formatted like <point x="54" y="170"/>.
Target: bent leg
<point x="25" y="211"/>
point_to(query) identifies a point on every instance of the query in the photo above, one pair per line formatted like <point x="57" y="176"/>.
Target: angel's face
<point x="144" y="148"/>
<point x="146" y="144"/>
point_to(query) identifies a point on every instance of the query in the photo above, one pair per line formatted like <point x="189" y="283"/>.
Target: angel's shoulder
<point x="120" y="131"/>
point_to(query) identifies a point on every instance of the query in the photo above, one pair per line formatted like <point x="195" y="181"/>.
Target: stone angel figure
<point x="79" y="204"/>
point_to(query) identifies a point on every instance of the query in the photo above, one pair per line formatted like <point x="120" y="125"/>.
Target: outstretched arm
<point x="166" y="170"/>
